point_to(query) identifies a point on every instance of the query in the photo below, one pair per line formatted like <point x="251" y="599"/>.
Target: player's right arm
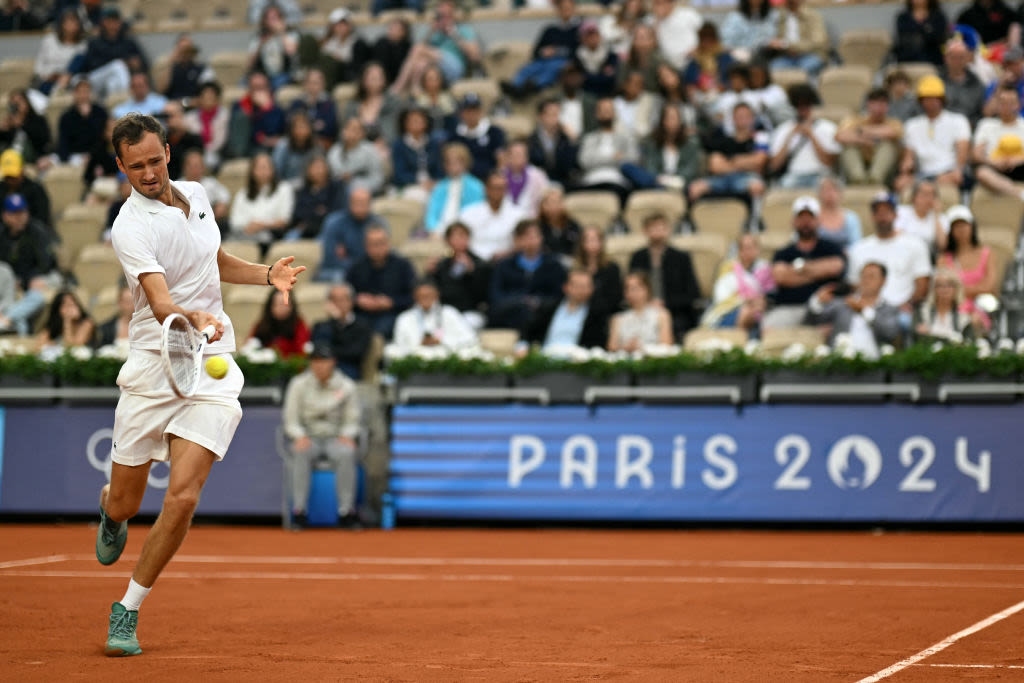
<point x="159" y="297"/>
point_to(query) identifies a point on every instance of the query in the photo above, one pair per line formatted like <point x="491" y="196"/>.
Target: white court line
<point x="507" y="578"/>
<point x="575" y="562"/>
<point x="944" y="643"/>
<point x="973" y="666"/>
<point x="49" y="559"/>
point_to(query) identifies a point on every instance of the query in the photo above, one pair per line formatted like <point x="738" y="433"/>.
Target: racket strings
<point x="181" y="354"/>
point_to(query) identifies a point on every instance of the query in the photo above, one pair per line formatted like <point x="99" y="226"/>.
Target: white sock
<point x="132" y="599"/>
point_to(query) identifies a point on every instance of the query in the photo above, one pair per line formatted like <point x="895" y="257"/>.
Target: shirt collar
<point x="154" y="205"/>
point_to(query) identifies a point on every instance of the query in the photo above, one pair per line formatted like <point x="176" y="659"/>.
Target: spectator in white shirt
<point x="905" y="257"/>
<point x="676" y="27"/>
<point x="923" y="217"/>
<point x="429" y="323"/>
<point x="936" y="143"/>
<point x="142" y="100"/>
<point x="805" y="147"/>
<point x="193" y="169"/>
<point x="999" y="145"/>
<point x="492" y="221"/>
<point x="263" y="208"/>
<point x="636" y="110"/>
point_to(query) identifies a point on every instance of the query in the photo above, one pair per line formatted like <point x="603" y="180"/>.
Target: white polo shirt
<point x="151" y="237"/>
<point x="490" y="231"/>
<point x="990" y="131"/>
<point x="934" y="141"/>
<point x="904" y="256"/>
<point x="805" y="160"/>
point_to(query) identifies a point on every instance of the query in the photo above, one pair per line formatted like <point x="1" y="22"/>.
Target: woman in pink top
<point x="971" y="261"/>
<point x="740" y="288"/>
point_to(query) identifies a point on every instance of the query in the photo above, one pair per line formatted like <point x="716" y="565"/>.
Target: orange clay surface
<point x="262" y="604"/>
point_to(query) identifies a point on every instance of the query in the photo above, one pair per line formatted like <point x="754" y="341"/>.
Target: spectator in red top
<point x="281" y="327"/>
<point x="257" y="123"/>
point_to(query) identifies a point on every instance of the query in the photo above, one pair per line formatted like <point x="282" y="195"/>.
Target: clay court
<point x="524" y="605"/>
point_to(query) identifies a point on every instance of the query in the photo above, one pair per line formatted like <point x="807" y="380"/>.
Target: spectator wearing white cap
<point x="803" y="267"/>
<point x="971" y="261"/>
<point x="999" y="146"/>
<point x="904" y="256"/>
<point x="676" y="26"/>
<point x="343" y="52"/>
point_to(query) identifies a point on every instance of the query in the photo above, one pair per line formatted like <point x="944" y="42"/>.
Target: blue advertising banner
<point x="55" y="459"/>
<point x="765" y="462"/>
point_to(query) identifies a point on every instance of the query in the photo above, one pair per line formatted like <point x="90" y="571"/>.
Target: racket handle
<point x="208" y="332"/>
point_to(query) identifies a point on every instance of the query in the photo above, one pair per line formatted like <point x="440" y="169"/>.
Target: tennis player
<point x="169" y="247"/>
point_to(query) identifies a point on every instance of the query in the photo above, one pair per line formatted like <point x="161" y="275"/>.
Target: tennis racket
<point x="181" y="353"/>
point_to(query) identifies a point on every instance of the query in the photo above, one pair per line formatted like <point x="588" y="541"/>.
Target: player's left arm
<point x="281" y="274"/>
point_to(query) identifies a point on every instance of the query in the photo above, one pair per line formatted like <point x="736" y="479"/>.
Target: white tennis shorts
<point x="149" y="411"/>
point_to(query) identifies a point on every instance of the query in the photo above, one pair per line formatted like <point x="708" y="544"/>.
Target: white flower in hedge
<point x="984" y="351"/>
<point x="251" y="344"/>
<point x="794" y="352"/>
<point x="937" y="346"/>
<point x="393" y="352"/>
<point x="887" y="349"/>
<point x="109" y="351"/>
<point x="1020" y="346"/>
<point x="752" y="347"/>
<point x="261" y="356"/>
<point x="850" y="353"/>
<point x="81" y="353"/>
<point x="842" y="342"/>
<point x="822" y="351"/>
<point x="1005" y="344"/>
<point x="6" y="347"/>
<point x="49" y="354"/>
<point x="660" y="350"/>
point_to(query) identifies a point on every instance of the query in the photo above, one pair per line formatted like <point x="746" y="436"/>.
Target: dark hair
<point x="741" y="70"/>
<point x="580" y="257"/>
<point x="310" y="143"/>
<point x="252" y="189"/>
<point x="654" y="217"/>
<point x="660" y="135"/>
<point x="644" y="278"/>
<point x="707" y="31"/>
<point x="881" y="267"/>
<point x="425" y="281"/>
<point x="361" y="88"/>
<point x="457" y="225"/>
<point x="933" y="6"/>
<point x="760" y="67"/>
<point x="60" y="25"/>
<point x="546" y="102"/>
<point x="952" y="246"/>
<point x="315" y="157"/>
<point x="131" y="128"/>
<point x="54" y="320"/>
<point x="524" y="225"/>
<point x="743" y="105"/>
<point x="877" y="94"/>
<point x="410" y="112"/>
<point x="268" y="328"/>
<point x="803" y="94"/>
<point x="762" y="12"/>
<point x="897" y="75"/>
<point x="211" y="85"/>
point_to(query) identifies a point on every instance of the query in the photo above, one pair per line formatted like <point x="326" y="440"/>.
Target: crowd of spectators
<point x="651" y="96"/>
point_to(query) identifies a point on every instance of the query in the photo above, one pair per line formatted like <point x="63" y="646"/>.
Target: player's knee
<point x="121" y="507"/>
<point x="181" y="503"/>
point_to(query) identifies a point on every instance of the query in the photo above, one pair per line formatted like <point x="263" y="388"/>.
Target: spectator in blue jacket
<point x="111" y="56"/>
<point x="415" y="156"/>
<point x="343" y="235"/>
<point x="597" y="61"/>
<point x="383" y="281"/>
<point x="556" y="46"/>
<point x="525" y="281"/>
<point x="319" y="107"/>
<point x="456" y="191"/>
<point x="479" y="135"/>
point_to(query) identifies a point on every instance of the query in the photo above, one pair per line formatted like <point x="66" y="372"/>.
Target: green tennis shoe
<point x="121" y="640"/>
<point x="110" y="538"/>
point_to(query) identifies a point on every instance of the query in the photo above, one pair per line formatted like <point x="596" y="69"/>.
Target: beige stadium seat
<point x="1001" y="237"/>
<point x="103" y="306"/>
<point x="845" y="85"/>
<point x="287" y="94"/>
<point x="115" y="100"/>
<point x="706" y="251"/>
<point x="16" y="73"/>
<point x="643" y="203"/>
<point x="423" y="253"/>
<point x="598" y="208"/>
<point x="311" y="299"/>
<point x="836" y="113"/>
<point x="64" y="186"/>
<point x="992" y="209"/>
<point x="80" y="225"/>
<point x="486" y="88"/>
<point x="231" y="94"/>
<point x="776" y="340"/>
<point x="621" y="247"/>
<point x="787" y="77"/>
<point x="403" y="216"/>
<point x="727" y="217"/>
<point x="307" y="253"/>
<point x="223" y="14"/>
<point x="369" y="368"/>
<point x="97" y="267"/>
<point x="344" y="93"/>
<point x="182" y="23"/>
<point x="504" y="59"/>
<point x="148" y="15"/>
<point x="247" y="251"/>
<point x="234" y="175"/>
<point x="695" y="338"/>
<point x="230" y="66"/>
<point x="771" y="242"/>
<point x="516" y="126"/>
<point x="500" y="342"/>
<point x="777" y="209"/>
<point x="244" y="305"/>
<point x="59" y="103"/>
<point x="865" y="47"/>
<point x="914" y="70"/>
<point x="858" y="198"/>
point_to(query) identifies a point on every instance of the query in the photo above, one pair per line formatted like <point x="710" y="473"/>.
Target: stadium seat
<point x="621" y="247"/>
<point x="307" y="253"/>
<point x="230" y="66"/>
<point x="311" y="299"/>
<point x="55" y="108"/>
<point x="247" y="251"/>
<point x="234" y="175"/>
<point x="503" y="59"/>
<point x="370" y="367"/>
<point x="516" y="126"/>
<point x="865" y="47"/>
<point x="103" y="305"/>
<point x="598" y="208"/>
<point x="777" y="209"/>
<point x="858" y="198"/>
<point x="706" y="251"/>
<point x="115" y="100"/>
<point x="80" y="225"/>
<point x="404" y="216"/>
<point x="697" y="337"/>
<point x="771" y="242"/>
<point x="643" y="203"/>
<point x="344" y="93"/>
<point x="16" y="73"/>
<point x="65" y="187"/>
<point x="149" y="15"/>
<point x="845" y="85"/>
<point x="97" y="267"/>
<point x="836" y="113"/>
<point x="787" y="77"/>
<point x="776" y="340"/>
<point x="726" y="217"/>
<point x="500" y="342"/>
<point x="244" y="305"/>
<point x="423" y="252"/>
<point x="914" y="70"/>
<point x="1002" y="237"/>
<point x="992" y="209"/>
<point x="231" y="94"/>
<point x="287" y="94"/>
<point x="486" y="88"/>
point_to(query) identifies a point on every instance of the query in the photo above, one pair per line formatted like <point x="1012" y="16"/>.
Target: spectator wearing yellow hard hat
<point x="936" y="144"/>
<point x="14" y="181"/>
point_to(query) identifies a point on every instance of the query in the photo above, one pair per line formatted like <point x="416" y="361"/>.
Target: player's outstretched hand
<point x="283" y="275"/>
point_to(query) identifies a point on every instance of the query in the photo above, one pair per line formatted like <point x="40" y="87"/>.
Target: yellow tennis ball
<point x="216" y="367"/>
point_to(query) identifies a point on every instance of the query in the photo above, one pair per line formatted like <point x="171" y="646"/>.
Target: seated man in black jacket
<point x="383" y="281"/>
<point x="671" y="273"/>
<point x="348" y="336"/>
<point x="463" y="279"/>
<point x="525" y="281"/>
<point x="571" y="321"/>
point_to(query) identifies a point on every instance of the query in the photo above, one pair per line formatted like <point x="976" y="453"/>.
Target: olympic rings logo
<point x="103" y="463"/>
